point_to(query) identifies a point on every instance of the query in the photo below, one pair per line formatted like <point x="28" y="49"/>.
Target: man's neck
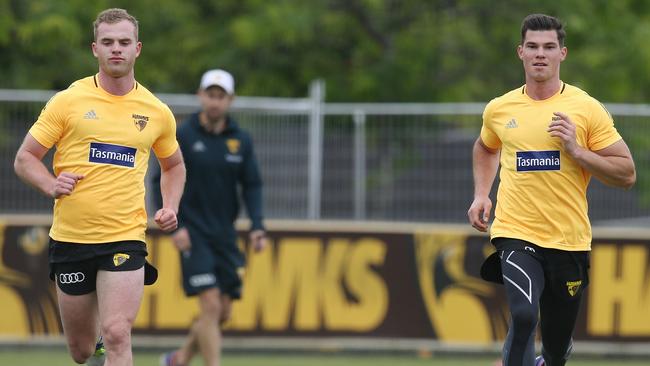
<point x="215" y="126"/>
<point x="117" y="86"/>
<point x="542" y="90"/>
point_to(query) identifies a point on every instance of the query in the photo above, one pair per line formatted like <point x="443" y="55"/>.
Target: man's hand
<point x="166" y="219"/>
<point x="64" y="184"/>
<point x="563" y="128"/>
<point x="182" y="240"/>
<point x="479" y="213"/>
<point x="258" y="240"/>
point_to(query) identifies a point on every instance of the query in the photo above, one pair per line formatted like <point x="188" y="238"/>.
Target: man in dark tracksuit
<point x="219" y="160"/>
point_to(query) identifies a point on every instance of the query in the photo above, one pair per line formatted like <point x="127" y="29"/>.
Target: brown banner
<point x="405" y="284"/>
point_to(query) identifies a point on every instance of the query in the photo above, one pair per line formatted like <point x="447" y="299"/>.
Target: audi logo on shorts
<point x="69" y="278"/>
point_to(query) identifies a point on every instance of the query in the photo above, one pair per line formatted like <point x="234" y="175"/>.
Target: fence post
<point x="359" y="164"/>
<point x="317" y="96"/>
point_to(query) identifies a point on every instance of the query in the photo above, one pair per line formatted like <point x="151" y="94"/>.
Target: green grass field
<point x="58" y="357"/>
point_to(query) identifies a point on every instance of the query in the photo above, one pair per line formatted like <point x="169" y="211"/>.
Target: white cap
<point x="220" y="78"/>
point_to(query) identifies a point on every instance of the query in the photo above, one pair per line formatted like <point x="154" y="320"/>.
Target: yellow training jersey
<point x="107" y="139"/>
<point x="542" y="193"/>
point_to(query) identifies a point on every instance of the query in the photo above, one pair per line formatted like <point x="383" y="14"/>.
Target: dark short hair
<point x="542" y="22"/>
<point x="112" y="16"/>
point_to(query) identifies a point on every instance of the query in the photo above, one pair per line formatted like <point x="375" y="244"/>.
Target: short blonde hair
<point x="112" y="16"/>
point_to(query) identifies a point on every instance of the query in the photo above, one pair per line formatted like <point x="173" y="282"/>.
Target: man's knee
<point x="226" y="309"/>
<point x="226" y="314"/>
<point x="116" y="332"/>
<point x="80" y="352"/>
<point x="524" y="318"/>
<point x="211" y="306"/>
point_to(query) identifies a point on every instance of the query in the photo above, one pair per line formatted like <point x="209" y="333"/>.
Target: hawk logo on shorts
<point x="120" y="258"/>
<point x="140" y="121"/>
<point x="573" y="287"/>
<point x="233" y="145"/>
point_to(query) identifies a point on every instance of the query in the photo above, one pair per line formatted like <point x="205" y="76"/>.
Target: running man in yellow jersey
<point x="549" y="138"/>
<point x="103" y="127"/>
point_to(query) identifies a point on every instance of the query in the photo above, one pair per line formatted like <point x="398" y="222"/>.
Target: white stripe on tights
<point x="528" y="295"/>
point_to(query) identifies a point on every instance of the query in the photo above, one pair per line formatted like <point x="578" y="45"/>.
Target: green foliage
<point x="365" y="50"/>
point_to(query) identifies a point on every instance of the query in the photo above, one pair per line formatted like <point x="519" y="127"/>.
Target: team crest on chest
<point x="233" y="145"/>
<point x="140" y="121"/>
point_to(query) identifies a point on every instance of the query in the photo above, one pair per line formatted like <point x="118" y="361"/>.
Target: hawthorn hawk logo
<point x="140" y="121"/>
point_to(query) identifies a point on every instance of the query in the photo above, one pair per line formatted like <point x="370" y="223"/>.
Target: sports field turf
<point x="56" y="357"/>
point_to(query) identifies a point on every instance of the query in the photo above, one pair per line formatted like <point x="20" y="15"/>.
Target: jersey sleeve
<point x="251" y="182"/>
<point x="50" y="125"/>
<point x="602" y="132"/>
<point x="166" y="143"/>
<point x="488" y="136"/>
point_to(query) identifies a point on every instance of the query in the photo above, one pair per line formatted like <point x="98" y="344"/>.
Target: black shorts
<point x="212" y="262"/>
<point x="567" y="272"/>
<point x="74" y="266"/>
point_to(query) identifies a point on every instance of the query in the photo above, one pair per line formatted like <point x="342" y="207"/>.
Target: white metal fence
<point x="360" y="161"/>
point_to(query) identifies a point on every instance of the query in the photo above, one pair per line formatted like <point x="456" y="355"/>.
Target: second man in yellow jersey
<point x="549" y="138"/>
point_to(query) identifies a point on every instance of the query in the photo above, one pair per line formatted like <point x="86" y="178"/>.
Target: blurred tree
<point x="366" y="50"/>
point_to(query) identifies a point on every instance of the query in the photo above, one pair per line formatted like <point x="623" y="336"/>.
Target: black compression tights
<point x="523" y="277"/>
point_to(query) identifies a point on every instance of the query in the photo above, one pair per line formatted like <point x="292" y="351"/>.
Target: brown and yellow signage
<point x="323" y="282"/>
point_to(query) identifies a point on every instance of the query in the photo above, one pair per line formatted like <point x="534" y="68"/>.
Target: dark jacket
<point x="218" y="165"/>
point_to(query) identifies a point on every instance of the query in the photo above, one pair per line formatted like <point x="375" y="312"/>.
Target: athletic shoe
<point x="539" y="361"/>
<point x="98" y="358"/>
<point x="169" y="359"/>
